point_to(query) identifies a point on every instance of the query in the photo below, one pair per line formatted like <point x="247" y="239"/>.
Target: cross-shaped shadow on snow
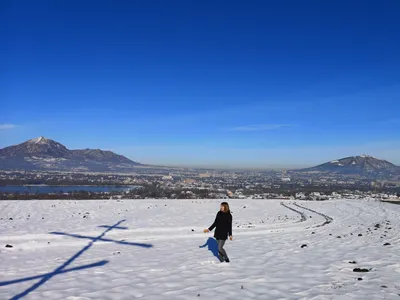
<point x="116" y="227"/>
<point x="62" y="269"/>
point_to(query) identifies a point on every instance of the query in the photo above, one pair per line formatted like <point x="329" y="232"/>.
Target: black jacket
<point x="222" y="225"/>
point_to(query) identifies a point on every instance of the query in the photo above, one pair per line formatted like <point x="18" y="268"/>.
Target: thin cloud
<point x="260" y="127"/>
<point x="7" y="126"/>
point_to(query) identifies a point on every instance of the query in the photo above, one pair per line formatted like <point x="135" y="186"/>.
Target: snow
<point x="334" y="161"/>
<point x="44" y="159"/>
<point x="38" y="140"/>
<point x="150" y="249"/>
<point x="366" y="156"/>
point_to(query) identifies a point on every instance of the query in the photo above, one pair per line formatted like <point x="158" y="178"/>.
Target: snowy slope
<point x="69" y="250"/>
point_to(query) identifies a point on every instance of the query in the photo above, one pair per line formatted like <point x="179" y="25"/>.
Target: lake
<point x="51" y="189"/>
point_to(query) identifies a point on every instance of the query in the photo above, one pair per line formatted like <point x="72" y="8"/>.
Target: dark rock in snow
<point x="384" y="286"/>
<point x="359" y="234"/>
<point x="10" y="219"/>
<point x="386" y="244"/>
<point x="192" y="229"/>
<point x="352" y="262"/>
<point x="339" y="237"/>
<point x="359" y="279"/>
<point x="9" y="246"/>
<point x="360" y="270"/>
<point x="313" y="232"/>
<point x="303" y="246"/>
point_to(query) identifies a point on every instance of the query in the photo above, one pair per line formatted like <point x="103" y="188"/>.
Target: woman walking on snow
<point x="223" y="229"/>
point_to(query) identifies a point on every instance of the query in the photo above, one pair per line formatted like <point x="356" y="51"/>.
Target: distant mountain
<point x="39" y="146"/>
<point x="46" y="154"/>
<point x="363" y="165"/>
<point x="100" y="155"/>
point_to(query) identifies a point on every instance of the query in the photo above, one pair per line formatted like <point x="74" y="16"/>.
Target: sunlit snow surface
<point x="149" y="249"/>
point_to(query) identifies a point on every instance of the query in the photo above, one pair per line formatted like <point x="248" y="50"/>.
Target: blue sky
<point x="204" y="83"/>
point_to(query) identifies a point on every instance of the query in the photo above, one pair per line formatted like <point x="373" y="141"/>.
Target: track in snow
<point x="302" y="215"/>
<point x="328" y="219"/>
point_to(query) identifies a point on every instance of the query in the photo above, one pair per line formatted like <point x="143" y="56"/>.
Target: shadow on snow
<point x="63" y="268"/>
<point x="212" y="245"/>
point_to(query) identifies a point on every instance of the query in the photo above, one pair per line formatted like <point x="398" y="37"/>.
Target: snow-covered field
<point x="150" y="249"/>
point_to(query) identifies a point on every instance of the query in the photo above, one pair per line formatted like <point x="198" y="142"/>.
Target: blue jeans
<point x="221" y="250"/>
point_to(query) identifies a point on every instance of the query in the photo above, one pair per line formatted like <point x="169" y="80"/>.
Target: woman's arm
<point x="214" y="224"/>
<point x="230" y="226"/>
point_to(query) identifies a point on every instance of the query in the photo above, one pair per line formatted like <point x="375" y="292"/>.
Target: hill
<point x="362" y="165"/>
<point x="45" y="154"/>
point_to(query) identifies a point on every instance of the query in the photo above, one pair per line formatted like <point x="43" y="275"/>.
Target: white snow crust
<point x="66" y="249"/>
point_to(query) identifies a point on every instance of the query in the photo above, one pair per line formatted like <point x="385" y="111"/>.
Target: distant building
<point x="300" y="196"/>
<point x="204" y="175"/>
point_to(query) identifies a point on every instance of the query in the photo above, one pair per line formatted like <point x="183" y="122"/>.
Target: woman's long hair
<point x="226" y="207"/>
